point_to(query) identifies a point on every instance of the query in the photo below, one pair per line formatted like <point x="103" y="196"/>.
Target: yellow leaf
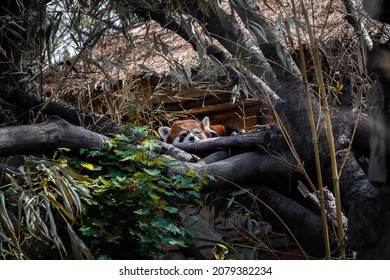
<point x="220" y="251"/>
<point x="88" y="166"/>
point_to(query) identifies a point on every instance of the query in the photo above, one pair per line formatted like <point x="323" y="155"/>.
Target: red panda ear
<point x="206" y="127"/>
<point x="206" y="122"/>
<point x="213" y="130"/>
<point x="164" y="132"/>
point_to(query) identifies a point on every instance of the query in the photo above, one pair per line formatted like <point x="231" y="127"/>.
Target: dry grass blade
<point x="5" y="217"/>
<point x="35" y="224"/>
<point x="80" y="250"/>
<point x="53" y="228"/>
<point x="41" y="194"/>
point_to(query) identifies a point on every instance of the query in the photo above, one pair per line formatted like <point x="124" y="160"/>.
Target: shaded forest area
<point x="78" y="184"/>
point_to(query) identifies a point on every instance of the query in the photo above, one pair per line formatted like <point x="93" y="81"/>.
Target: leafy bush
<point x="134" y="206"/>
<point x="117" y="202"/>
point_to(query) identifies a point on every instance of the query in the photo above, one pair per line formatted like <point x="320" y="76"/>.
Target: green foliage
<point x="134" y="203"/>
<point x="117" y="202"/>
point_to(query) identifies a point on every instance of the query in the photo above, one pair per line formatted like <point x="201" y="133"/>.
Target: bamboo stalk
<point x="314" y="135"/>
<point x="329" y="133"/>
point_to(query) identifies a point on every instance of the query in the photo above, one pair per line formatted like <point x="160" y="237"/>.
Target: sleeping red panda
<point x="183" y="131"/>
<point x="192" y="130"/>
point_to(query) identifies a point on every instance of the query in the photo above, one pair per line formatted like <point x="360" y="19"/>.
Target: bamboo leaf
<point x="72" y="176"/>
<point x="78" y="246"/>
<point x="53" y="228"/>
<point x="36" y="224"/>
<point x="278" y="22"/>
<point x="114" y="64"/>
<point x="290" y="22"/>
<point x="14" y="23"/>
<point x="61" y="208"/>
<point x="279" y="51"/>
<point x="258" y="30"/>
<point x="4" y="215"/>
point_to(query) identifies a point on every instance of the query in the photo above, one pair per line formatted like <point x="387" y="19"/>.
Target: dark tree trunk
<point x="369" y="220"/>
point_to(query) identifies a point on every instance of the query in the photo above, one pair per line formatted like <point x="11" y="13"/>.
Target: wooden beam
<point x="223" y="107"/>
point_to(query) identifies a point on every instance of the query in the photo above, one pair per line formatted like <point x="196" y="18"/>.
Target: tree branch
<point x="46" y="137"/>
<point x="354" y="18"/>
<point x="305" y="226"/>
<point x="271" y="139"/>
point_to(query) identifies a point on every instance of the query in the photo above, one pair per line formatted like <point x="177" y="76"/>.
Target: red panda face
<point x="192" y="130"/>
<point x="183" y="131"/>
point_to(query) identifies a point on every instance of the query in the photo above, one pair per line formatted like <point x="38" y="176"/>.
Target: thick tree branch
<point x="268" y="42"/>
<point x="305" y="226"/>
<point x="268" y="139"/>
<point x="246" y="168"/>
<point x="354" y="17"/>
<point x="46" y="137"/>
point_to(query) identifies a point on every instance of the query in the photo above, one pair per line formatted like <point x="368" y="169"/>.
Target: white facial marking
<point x="189" y="137"/>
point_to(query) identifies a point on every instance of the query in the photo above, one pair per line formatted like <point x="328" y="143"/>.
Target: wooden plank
<point x="227" y="106"/>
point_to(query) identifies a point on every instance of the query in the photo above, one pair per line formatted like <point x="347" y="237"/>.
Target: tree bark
<point x="369" y="231"/>
<point x="240" y="170"/>
<point x="46" y="137"/>
<point x="298" y="219"/>
<point x="267" y="139"/>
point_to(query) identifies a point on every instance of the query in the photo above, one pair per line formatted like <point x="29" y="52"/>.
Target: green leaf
<point x="88" y="231"/>
<point x="153" y="172"/>
<point x="150" y="144"/>
<point x="171" y="210"/>
<point x="155" y="197"/>
<point x="179" y="243"/>
<point x="142" y="212"/>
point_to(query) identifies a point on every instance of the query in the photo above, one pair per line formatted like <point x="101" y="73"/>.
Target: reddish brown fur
<point x="193" y="130"/>
<point x="186" y="125"/>
<point x="220" y="129"/>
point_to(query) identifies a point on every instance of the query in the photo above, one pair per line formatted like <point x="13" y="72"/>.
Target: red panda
<point x="218" y="130"/>
<point x="184" y="131"/>
<point x="192" y="130"/>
